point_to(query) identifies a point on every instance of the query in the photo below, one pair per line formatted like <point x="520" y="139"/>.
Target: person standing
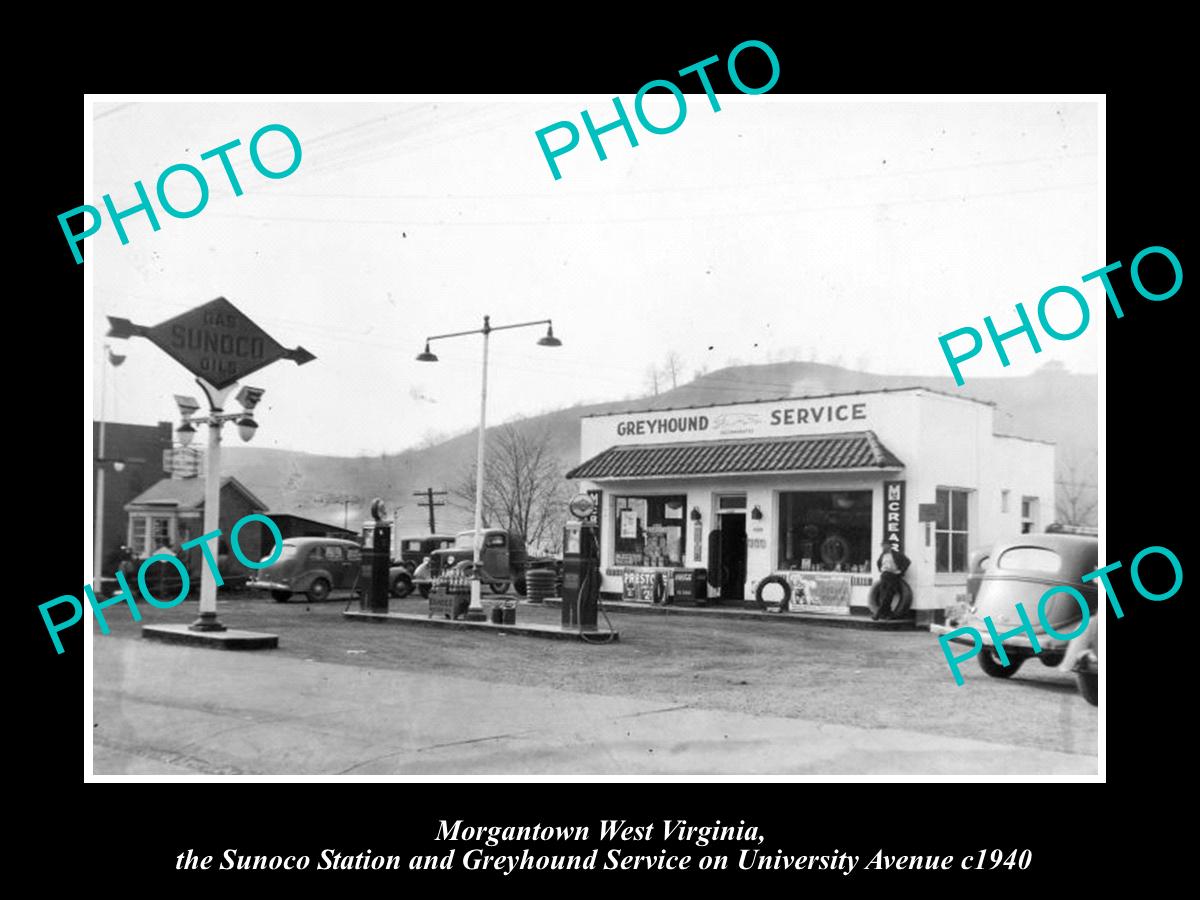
<point x="892" y="565"/>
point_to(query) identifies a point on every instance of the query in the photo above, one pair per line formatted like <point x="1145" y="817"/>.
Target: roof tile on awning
<point x="814" y="453"/>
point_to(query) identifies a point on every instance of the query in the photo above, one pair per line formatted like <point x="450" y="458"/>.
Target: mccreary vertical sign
<point x="893" y="513"/>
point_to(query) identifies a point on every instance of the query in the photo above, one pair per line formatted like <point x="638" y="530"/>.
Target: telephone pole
<point x="429" y="494"/>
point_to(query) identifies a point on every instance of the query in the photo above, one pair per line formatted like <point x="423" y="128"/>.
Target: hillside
<point x="1051" y="404"/>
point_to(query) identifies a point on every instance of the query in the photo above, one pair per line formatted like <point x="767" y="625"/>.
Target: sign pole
<point x="475" y="611"/>
<point x="212" y="504"/>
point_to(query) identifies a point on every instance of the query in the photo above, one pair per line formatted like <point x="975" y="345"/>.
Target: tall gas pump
<point x="581" y="566"/>
<point x="376" y="560"/>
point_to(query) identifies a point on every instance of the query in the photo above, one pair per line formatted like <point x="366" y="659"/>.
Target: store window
<point x="825" y="531"/>
<point x="951" y="530"/>
<point x="650" y="531"/>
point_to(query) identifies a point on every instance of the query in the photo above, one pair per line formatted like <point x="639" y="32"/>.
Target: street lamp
<point x="248" y="397"/>
<point x="549" y="340"/>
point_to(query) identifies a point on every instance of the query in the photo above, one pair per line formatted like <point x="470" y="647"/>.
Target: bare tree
<point x="523" y="490"/>
<point x="1075" y="494"/>
<point x="653" y="379"/>
<point x="673" y="367"/>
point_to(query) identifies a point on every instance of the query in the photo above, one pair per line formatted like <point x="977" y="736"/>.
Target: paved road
<point x="176" y="710"/>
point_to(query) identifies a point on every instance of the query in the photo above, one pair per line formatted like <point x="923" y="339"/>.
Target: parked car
<point x="1021" y="570"/>
<point x="164" y="583"/>
<point x="413" y="551"/>
<point x="504" y="558"/>
<point x="1083" y="658"/>
<point x="415" y="548"/>
<point x="317" y="567"/>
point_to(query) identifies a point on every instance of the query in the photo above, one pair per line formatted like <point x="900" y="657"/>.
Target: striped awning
<point x="814" y="453"/>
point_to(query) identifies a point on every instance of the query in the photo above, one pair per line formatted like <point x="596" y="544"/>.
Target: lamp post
<point x="476" y="608"/>
<point x="248" y="397"/>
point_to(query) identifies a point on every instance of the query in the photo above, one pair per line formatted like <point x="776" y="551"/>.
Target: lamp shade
<point x="549" y="340"/>
<point x="246" y="427"/>
<point x="184" y="434"/>
<point x="427" y="356"/>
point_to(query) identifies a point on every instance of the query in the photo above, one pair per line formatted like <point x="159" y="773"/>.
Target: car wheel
<point x="499" y="587"/>
<point x="319" y="589"/>
<point x="281" y="596"/>
<point x="990" y="663"/>
<point x="402" y="586"/>
<point x="1051" y="659"/>
<point x="1089" y="686"/>
<point x="424" y="588"/>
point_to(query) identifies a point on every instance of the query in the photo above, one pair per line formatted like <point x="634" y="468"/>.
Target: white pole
<point x="476" y="608"/>
<point x="98" y="557"/>
<point x="212" y="505"/>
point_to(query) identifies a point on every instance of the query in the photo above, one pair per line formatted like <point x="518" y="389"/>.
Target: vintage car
<point x="1020" y="570"/>
<point x="503" y="556"/>
<point x="314" y="566"/>
<point x="1083" y="658"/>
<point x="413" y="549"/>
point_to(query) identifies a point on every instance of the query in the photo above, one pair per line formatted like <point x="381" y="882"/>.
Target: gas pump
<point x="376" y="560"/>
<point x="581" y="566"/>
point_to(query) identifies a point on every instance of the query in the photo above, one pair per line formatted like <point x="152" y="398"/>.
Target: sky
<point x="776" y="228"/>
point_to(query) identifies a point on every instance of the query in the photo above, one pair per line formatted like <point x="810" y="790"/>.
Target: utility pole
<point x="429" y="494"/>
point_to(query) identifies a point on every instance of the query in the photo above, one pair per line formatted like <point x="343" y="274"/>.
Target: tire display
<point x="540" y="584"/>
<point x="901" y="604"/>
<point x="402" y="586"/>
<point x="774" y="580"/>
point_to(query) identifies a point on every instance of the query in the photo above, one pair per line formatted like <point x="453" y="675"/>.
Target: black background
<point x="133" y="832"/>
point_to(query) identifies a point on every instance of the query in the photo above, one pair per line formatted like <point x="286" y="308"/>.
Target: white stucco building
<point x="808" y="487"/>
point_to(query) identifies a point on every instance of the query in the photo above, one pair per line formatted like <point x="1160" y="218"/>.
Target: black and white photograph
<point x="681" y="434"/>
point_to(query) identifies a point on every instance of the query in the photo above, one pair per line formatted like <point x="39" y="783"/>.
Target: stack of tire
<point x="540" y="584"/>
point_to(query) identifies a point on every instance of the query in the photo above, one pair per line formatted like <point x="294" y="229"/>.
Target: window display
<point x="825" y="531"/>
<point x="650" y="531"/>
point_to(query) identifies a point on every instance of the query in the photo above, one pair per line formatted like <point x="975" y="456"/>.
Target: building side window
<point x="1004" y="500"/>
<point x="1029" y="515"/>
<point x="160" y="532"/>
<point x="137" y="535"/>
<point x="650" y="531"/>
<point x="951" y="530"/>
